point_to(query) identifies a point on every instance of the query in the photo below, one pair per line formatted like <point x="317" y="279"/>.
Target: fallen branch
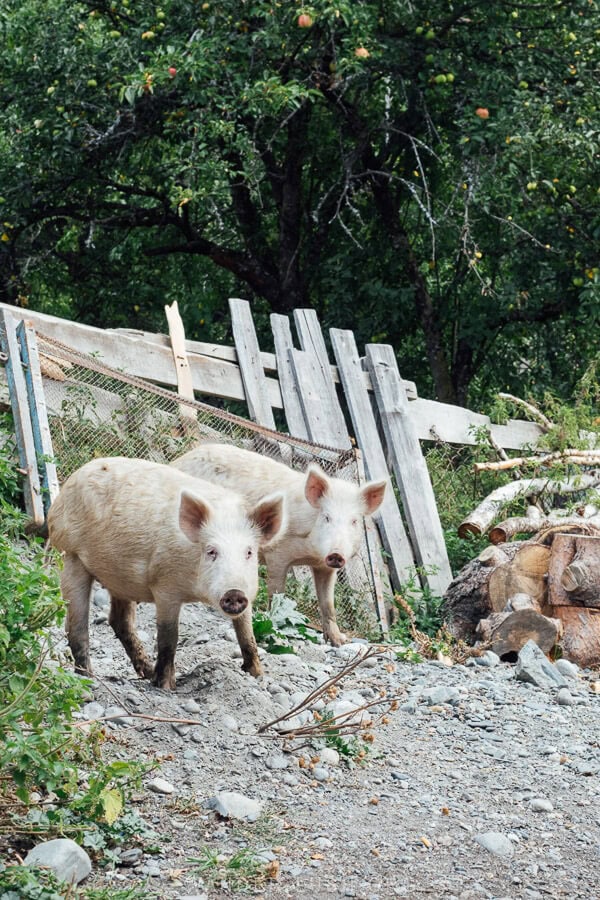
<point x="482" y="517"/>
<point x="533" y="411"/>
<point x="577" y="457"/>
<point x="507" y="530"/>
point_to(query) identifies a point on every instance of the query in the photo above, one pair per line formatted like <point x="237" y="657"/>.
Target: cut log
<point x="466" y="601"/>
<point x="580" y="642"/>
<point x="482" y="517"/>
<point x="510" y="528"/>
<point x="492" y="556"/>
<point x="581" y="578"/>
<point x="565" y="549"/>
<point x="507" y="632"/>
<point x="525" y="574"/>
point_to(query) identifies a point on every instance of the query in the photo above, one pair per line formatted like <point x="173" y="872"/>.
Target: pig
<point x="152" y="534"/>
<point x="323" y="516"/>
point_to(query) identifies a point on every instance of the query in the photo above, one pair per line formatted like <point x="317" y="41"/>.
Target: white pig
<point x="151" y="534"/>
<point x="323" y="516"/>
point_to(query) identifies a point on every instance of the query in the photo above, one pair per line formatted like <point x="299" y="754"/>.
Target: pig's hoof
<point x="164" y="680"/>
<point x="334" y="637"/>
<point x="253" y="668"/>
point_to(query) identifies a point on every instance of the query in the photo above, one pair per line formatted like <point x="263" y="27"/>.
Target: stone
<point x="117" y="716"/>
<point x="565" y="698"/>
<point x="277" y="761"/>
<point x="160" y="786"/>
<point x="567" y="668"/>
<point x="101" y="598"/>
<point x="534" y="668"/>
<point x="229" y="723"/>
<point x="68" y="860"/>
<point x="320" y="773"/>
<point x="232" y="805"/>
<point x="329" y="757"/>
<point x="191" y="706"/>
<point x="489" y="659"/>
<point x="93" y="710"/>
<point x="540" y="804"/>
<point x="496" y="843"/>
<point x="441" y="695"/>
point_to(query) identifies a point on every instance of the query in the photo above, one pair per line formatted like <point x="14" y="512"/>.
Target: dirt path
<point x="470" y="753"/>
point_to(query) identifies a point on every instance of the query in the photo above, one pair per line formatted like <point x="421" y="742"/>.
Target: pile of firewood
<point x="546" y="588"/>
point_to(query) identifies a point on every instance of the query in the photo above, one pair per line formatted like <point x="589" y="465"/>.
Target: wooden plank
<point x="373" y="549"/>
<point x="314" y="402"/>
<point x="38" y="414"/>
<point x="292" y="405"/>
<point x="388" y="518"/>
<point x="149" y="360"/>
<point x="18" y="395"/>
<point x="410" y="469"/>
<point x="222" y="352"/>
<point x="312" y="342"/>
<point x="248" y="353"/>
<point x="454" y="425"/>
<point x="185" y="385"/>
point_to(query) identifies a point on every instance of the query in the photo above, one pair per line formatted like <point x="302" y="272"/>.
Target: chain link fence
<point x="96" y="411"/>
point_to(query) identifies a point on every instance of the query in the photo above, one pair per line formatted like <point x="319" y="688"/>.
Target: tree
<point x="426" y="180"/>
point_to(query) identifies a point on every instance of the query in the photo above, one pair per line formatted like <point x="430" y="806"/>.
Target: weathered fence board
<point x="435" y="421"/>
<point x="248" y="353"/>
<point x="315" y="402"/>
<point x="292" y="404"/>
<point x="410" y="469"/>
<point x="38" y="414"/>
<point x="148" y="359"/>
<point x="312" y="342"/>
<point x="388" y="517"/>
<point x="20" y="406"/>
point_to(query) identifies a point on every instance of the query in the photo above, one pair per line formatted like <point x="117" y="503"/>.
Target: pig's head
<point x="227" y="540"/>
<point x="336" y="533"/>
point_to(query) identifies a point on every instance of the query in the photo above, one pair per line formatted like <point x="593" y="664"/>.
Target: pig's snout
<point x="335" y="560"/>
<point x="233" y="603"/>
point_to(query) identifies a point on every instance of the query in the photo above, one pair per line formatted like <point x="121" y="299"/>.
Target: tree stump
<point x="581" y="637"/>
<point x="574" y="571"/>
<point x="507" y="632"/>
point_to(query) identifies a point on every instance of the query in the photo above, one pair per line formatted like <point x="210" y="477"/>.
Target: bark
<point x="507" y="632"/>
<point x="581" y="638"/>
<point x="482" y="517"/>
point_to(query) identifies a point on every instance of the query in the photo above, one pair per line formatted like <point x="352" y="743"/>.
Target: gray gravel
<point x="479" y="786"/>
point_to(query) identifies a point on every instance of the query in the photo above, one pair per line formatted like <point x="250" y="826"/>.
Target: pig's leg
<point x="276" y="575"/>
<point x="122" y="621"/>
<point x="167" y="626"/>
<point x="247" y="642"/>
<point x="324" y="585"/>
<point x="76" y="584"/>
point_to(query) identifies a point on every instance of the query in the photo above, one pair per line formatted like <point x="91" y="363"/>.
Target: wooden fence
<point x="387" y="418"/>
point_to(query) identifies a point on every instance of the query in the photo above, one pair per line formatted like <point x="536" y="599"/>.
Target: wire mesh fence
<point x="96" y="411"/>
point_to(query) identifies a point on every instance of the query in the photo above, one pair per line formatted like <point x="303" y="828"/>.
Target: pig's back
<point x="131" y="500"/>
<point x="244" y="471"/>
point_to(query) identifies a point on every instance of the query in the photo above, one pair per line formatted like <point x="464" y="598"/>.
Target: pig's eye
<point x="327" y="518"/>
<point x="212" y="553"/>
<point x="355" y="521"/>
<point x="249" y="553"/>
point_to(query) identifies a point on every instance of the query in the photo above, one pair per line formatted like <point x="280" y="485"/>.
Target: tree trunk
<point x="574" y="571"/>
<point x="507" y="632"/>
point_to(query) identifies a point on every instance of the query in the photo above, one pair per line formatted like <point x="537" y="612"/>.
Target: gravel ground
<point x="480" y="785"/>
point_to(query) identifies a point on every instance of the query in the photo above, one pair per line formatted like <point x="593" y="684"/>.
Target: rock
<point x="232" y="805"/>
<point x="441" y="695"/>
<point x="496" y="843"/>
<point x="191" y="706"/>
<point x="565" y="698"/>
<point x="160" y="786"/>
<point x="117" y="716"/>
<point x="68" y="860"/>
<point x="93" y="710"/>
<point x="129" y="857"/>
<point x="320" y="773"/>
<point x="229" y="723"/>
<point x="540" y="804"/>
<point x="533" y="667"/>
<point x="101" y="598"/>
<point x="567" y="668"/>
<point x="277" y="761"/>
<point x="329" y="757"/>
<point x="323" y="843"/>
<point x="489" y="659"/>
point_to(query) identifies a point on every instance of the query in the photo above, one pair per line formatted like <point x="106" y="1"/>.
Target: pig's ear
<point x="316" y="486"/>
<point x="268" y="516"/>
<point x="194" y="513"/>
<point x="372" y="495"/>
